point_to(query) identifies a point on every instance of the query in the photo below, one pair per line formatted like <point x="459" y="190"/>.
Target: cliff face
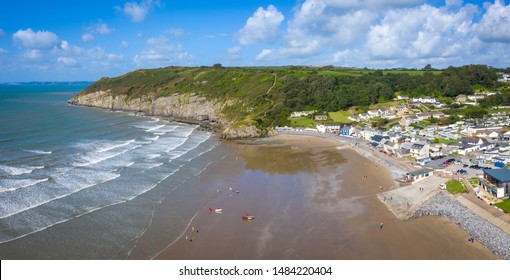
<point x="184" y="107"/>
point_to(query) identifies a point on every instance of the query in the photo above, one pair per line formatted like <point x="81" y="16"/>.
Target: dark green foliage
<point x="267" y="95"/>
<point x="502" y="99"/>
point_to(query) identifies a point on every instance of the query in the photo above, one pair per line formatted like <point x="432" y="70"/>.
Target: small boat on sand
<point x="248" y="217"/>
<point x="218" y="210"/>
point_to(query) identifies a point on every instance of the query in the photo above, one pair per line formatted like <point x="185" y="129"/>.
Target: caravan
<point x="423" y="161"/>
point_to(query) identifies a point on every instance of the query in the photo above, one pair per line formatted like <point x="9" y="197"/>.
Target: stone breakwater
<point x="483" y="231"/>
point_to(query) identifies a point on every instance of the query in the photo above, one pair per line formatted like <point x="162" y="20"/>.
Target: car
<point x="441" y="165"/>
<point x="457" y="162"/>
<point x="446" y="162"/>
<point x="450" y="160"/>
<point x="465" y="165"/>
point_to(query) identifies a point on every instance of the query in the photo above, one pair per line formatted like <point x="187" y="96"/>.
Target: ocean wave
<point x="68" y="179"/>
<point x="109" y="147"/>
<point x="152" y="156"/>
<point x="152" y="138"/>
<point x="94" y="158"/>
<point x="9" y="185"/>
<point x="155" y="128"/>
<point x="74" y="184"/>
<point x="18" y="170"/>
<point x="40" y="152"/>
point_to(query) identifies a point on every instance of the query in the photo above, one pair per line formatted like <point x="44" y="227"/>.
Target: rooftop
<point x="502" y="175"/>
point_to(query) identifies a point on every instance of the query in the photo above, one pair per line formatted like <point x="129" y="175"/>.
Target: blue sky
<point x="86" y="40"/>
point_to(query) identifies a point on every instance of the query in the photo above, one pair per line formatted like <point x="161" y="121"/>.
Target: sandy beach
<point x="312" y="198"/>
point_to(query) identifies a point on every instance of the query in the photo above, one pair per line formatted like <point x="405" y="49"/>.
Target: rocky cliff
<point x="182" y="107"/>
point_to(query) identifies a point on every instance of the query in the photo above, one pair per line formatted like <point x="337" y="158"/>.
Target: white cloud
<point x="495" y="23"/>
<point x="261" y="27"/>
<point x="2" y="32"/>
<point x="214" y="36"/>
<point x="87" y="37"/>
<point x="2" y="51"/>
<point x="99" y="56"/>
<point x="371" y="4"/>
<point x="66" y="49"/>
<point x="420" y="32"/>
<point x="138" y="11"/>
<point x="177" y="32"/>
<point x="317" y="26"/>
<point x="234" y="52"/>
<point x="100" y="28"/>
<point x="67" y="61"/>
<point x="124" y="45"/>
<point x="265" y="54"/>
<point x="160" y="53"/>
<point x="402" y="34"/>
<point x="35" y="40"/>
<point x="33" y="54"/>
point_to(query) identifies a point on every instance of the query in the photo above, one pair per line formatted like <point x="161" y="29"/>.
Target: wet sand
<point x="312" y="198"/>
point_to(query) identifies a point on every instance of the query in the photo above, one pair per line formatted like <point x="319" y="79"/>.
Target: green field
<point x="505" y="206"/>
<point x="358" y="72"/>
<point x="473" y="181"/>
<point x="454" y="187"/>
<point x="340" y="116"/>
<point x="302" y="122"/>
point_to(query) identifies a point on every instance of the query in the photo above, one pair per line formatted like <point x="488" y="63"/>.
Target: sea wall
<point x="483" y="231"/>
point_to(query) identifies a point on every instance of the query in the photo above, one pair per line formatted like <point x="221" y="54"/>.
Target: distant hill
<point x="251" y="100"/>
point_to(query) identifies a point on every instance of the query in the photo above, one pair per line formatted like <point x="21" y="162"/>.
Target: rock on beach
<point x="489" y="235"/>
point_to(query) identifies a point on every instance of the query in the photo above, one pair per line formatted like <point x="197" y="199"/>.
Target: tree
<point x="217" y="65"/>
<point x="427" y="67"/>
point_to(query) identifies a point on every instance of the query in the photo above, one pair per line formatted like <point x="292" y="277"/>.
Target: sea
<point x="84" y="183"/>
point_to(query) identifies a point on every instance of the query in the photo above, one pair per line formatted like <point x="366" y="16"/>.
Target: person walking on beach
<point x="381" y="225"/>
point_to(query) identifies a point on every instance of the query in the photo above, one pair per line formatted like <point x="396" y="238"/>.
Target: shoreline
<point x="341" y="213"/>
<point x="423" y="198"/>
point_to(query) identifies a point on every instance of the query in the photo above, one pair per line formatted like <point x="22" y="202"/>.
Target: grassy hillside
<point x="266" y="96"/>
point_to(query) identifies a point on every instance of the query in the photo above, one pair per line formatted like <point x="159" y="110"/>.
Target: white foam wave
<point x="109" y="147"/>
<point x="9" y="185"/>
<point x="93" y="158"/>
<point x="74" y="186"/>
<point x="18" y="170"/>
<point x="40" y="152"/>
<point x="152" y="138"/>
<point x="76" y="181"/>
<point x="152" y="156"/>
<point x="155" y="128"/>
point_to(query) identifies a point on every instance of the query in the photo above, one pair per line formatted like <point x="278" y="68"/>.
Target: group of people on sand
<point x="193" y="231"/>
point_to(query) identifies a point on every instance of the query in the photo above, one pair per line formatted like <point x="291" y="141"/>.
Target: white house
<point x="332" y="127"/>
<point x="424" y="99"/>
<point x="418" y="175"/>
<point x="420" y="150"/>
<point x="382" y="111"/>
<point x="373" y="113"/>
